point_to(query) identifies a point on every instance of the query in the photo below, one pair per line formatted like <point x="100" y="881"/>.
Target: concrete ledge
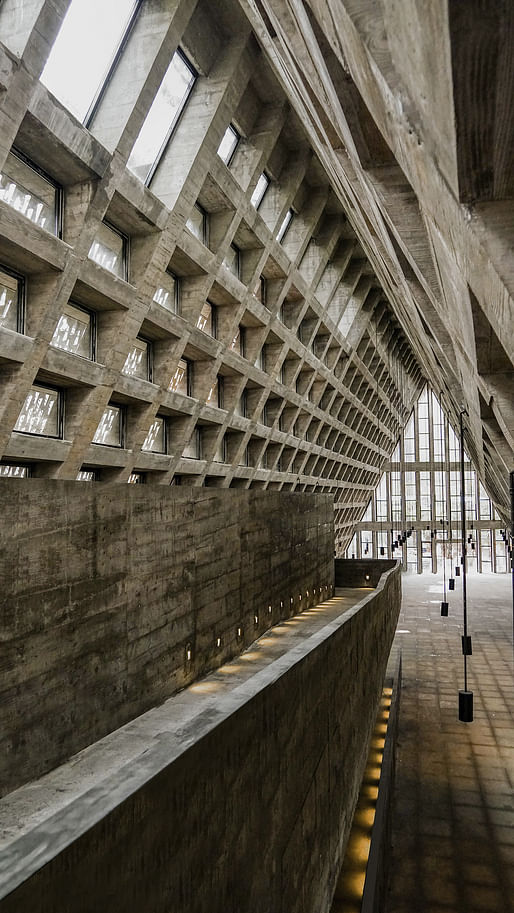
<point x="360" y="571"/>
<point x="243" y="805"/>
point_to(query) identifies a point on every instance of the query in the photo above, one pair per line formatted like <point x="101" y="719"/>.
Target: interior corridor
<point x="453" y="813"/>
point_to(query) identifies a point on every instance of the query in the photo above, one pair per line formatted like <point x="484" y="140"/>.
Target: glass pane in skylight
<point x="109" y="429"/>
<point x="155" y="440"/>
<point x="73" y="331"/>
<point x="260" y="189"/>
<point x="40" y="414"/>
<point x="86" y="475"/>
<point x="227" y="147"/>
<point x="9" y="296"/>
<point x="84" y="51"/>
<point x="14" y="472"/>
<point x="231" y="260"/>
<point x="108" y="250"/>
<point x="162" y="116"/>
<point x="136" y="362"/>
<point x="167" y="295"/>
<point x="196" y="223"/>
<point x="27" y="191"/>
<point x="179" y="381"/>
<point x="285" y="225"/>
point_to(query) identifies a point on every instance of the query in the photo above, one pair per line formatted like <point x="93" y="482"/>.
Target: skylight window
<point x="110" y="250"/>
<point x="229" y="144"/>
<point x="260" y="189"/>
<point x="86" y="51"/>
<point x="110" y="431"/>
<point x="285" y="225"/>
<point x="31" y="192"/>
<point x="162" y="117"/>
<point x="75" y="331"/>
<point x="155" y="441"/>
<point x="12" y="289"/>
<point x="42" y="412"/>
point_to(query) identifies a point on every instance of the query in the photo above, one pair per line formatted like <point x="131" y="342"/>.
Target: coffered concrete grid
<point x="366" y="295"/>
<point x="410" y="108"/>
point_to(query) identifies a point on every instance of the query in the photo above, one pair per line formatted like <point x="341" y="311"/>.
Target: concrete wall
<point x="104" y="588"/>
<point x="247" y="808"/>
<point x="360" y="571"/>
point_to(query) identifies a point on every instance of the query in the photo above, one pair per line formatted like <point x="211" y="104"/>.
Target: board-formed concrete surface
<point x="115" y="596"/>
<point x="237" y="793"/>
<point x="453" y="812"/>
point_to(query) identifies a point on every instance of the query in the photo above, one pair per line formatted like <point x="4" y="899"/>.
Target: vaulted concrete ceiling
<point x="410" y="107"/>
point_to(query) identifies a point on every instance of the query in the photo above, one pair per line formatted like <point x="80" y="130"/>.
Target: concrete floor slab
<point x="453" y="813"/>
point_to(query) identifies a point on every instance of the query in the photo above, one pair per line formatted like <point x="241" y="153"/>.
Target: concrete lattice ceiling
<point x="410" y="109"/>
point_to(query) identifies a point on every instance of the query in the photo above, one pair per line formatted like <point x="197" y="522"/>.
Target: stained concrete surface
<point x="32" y="804"/>
<point x="106" y="589"/>
<point x="453" y="814"/>
<point x="255" y="769"/>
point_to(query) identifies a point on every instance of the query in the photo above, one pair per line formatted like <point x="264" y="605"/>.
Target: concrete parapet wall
<point x="360" y="571"/>
<point x="105" y="588"/>
<point x="247" y="807"/>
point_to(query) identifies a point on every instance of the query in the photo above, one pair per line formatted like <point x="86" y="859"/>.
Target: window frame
<point x="141" y="477"/>
<point x="21" y="298"/>
<point x="213" y="321"/>
<point x="149" y="360"/>
<point x="60" y="411"/>
<point x="166" y="434"/>
<point x="285" y="225"/>
<point x="205" y="225"/>
<point x="237" y="252"/>
<point x="109" y="73"/>
<point x="59" y="192"/>
<point x="94" y="472"/>
<point x="264" y="174"/>
<point x="263" y="290"/>
<point x="238" y="138"/>
<point x="176" y="294"/>
<point x="178" y="114"/>
<point x="125" y="251"/>
<point x="221" y="390"/>
<point x="10" y="464"/>
<point x="92" y="332"/>
<point x="123" y="426"/>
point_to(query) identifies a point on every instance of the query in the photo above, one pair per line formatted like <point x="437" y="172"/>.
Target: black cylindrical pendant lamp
<point x="457" y="570"/>
<point x="451" y="584"/>
<point x="444" y="609"/>
<point x="466" y="706"/>
<point x="465" y="696"/>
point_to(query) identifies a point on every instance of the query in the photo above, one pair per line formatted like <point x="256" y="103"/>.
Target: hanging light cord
<point x="378" y="433"/>
<point x="463" y="519"/>
<point x="448" y="488"/>
<point x="445" y="510"/>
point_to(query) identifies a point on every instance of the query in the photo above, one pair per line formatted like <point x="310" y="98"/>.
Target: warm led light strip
<point x="350" y="885"/>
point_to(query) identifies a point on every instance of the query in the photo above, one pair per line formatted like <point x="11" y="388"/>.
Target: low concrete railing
<point x="360" y="571"/>
<point x="246" y="807"/>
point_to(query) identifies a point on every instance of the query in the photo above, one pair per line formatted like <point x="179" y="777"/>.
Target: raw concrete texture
<point x="106" y="587"/>
<point x="360" y="571"/>
<point x="241" y="804"/>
